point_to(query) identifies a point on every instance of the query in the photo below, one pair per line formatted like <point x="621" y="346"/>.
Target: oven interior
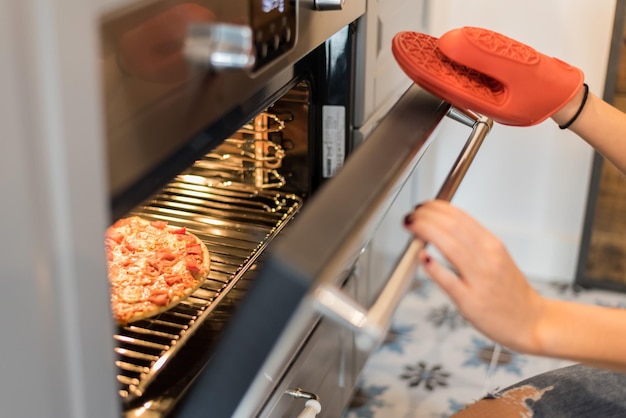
<point x="237" y="198"/>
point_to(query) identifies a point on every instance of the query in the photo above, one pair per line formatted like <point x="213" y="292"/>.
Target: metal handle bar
<point x="372" y="325"/>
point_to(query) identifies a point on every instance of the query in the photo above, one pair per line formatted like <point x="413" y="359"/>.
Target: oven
<point x="239" y="121"/>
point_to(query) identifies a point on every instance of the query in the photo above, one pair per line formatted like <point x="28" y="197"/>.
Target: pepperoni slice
<point x="159" y="297"/>
<point x="193" y="249"/>
<point x="159" y="224"/>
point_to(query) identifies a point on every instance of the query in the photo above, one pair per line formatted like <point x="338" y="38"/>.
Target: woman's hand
<point x="488" y="288"/>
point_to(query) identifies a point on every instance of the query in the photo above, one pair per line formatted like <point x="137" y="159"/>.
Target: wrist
<point x="570" y="112"/>
<point x="554" y="334"/>
<point x="539" y="324"/>
<point x="531" y="332"/>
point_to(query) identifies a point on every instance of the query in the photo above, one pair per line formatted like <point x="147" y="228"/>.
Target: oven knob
<point x="220" y="46"/>
<point x="329" y="4"/>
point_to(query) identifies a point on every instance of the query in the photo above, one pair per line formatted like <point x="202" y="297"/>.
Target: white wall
<point x="528" y="185"/>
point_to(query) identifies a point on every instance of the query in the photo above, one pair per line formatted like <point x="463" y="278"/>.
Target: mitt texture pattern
<point x="419" y="57"/>
<point x="504" y="46"/>
<point x="486" y="72"/>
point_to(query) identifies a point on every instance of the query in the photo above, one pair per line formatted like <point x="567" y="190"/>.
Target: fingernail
<point x="427" y="260"/>
<point x="408" y="219"/>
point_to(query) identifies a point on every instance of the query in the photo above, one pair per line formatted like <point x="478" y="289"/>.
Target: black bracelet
<point x="580" y="109"/>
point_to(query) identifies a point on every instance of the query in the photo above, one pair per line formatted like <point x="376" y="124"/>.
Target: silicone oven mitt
<point x="486" y="72"/>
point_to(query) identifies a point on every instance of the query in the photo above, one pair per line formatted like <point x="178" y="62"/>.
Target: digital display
<point x="274" y="26"/>
<point x="269" y="5"/>
<point x="266" y="11"/>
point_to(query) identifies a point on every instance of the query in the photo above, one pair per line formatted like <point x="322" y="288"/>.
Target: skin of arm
<point x="493" y="294"/>
<point x="599" y="124"/>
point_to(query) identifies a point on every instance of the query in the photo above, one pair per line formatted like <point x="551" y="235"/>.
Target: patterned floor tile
<point x="433" y="362"/>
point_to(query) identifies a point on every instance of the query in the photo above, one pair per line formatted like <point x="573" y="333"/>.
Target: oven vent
<point x="236" y="219"/>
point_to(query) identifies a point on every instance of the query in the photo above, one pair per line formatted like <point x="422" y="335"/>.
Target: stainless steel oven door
<point x="307" y="274"/>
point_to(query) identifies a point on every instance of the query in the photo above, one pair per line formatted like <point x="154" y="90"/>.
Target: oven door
<point x="305" y="296"/>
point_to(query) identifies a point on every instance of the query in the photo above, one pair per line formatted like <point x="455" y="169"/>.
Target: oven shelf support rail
<point x="372" y="324"/>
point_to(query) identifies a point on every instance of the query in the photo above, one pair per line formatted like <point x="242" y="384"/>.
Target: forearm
<point x="601" y="125"/>
<point x="589" y="334"/>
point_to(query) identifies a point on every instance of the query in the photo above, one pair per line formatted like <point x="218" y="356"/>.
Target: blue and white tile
<point x="434" y="362"/>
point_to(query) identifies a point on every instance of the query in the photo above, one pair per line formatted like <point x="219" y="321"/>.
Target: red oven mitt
<point x="488" y="73"/>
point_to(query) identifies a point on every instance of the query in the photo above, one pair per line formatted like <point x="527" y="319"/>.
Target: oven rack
<point x="236" y="221"/>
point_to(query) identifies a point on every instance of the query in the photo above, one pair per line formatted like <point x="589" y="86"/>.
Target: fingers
<point x="454" y="233"/>
<point x="451" y="283"/>
<point x="485" y="284"/>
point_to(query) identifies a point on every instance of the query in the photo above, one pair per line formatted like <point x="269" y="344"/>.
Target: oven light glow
<point x="190" y="178"/>
<point x="202" y="181"/>
<point x="269" y="5"/>
<point x="145" y="407"/>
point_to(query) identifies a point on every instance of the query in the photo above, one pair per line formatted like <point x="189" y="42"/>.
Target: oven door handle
<point x="371" y="325"/>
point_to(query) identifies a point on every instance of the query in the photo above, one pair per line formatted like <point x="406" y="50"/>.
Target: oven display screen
<point x="274" y="26"/>
<point x="269" y="5"/>
<point x="266" y="11"/>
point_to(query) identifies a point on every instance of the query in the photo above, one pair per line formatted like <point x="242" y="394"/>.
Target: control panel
<point x="273" y="28"/>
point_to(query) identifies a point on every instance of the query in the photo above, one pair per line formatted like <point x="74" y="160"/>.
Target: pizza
<point x="152" y="266"/>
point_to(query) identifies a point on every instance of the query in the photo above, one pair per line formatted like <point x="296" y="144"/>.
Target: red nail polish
<point x="408" y="219"/>
<point x="427" y="260"/>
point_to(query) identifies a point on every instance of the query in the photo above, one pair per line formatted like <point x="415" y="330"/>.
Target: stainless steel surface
<point x="480" y="128"/>
<point x="466" y="117"/>
<point x="329" y="4"/>
<point x="220" y="46"/>
<point x="298" y="393"/>
<point x="372" y="324"/>
<point x="155" y="103"/>
<point x="338" y="223"/>
<point x="151" y="115"/>
<point x="312" y="406"/>
<point x="324" y="366"/>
